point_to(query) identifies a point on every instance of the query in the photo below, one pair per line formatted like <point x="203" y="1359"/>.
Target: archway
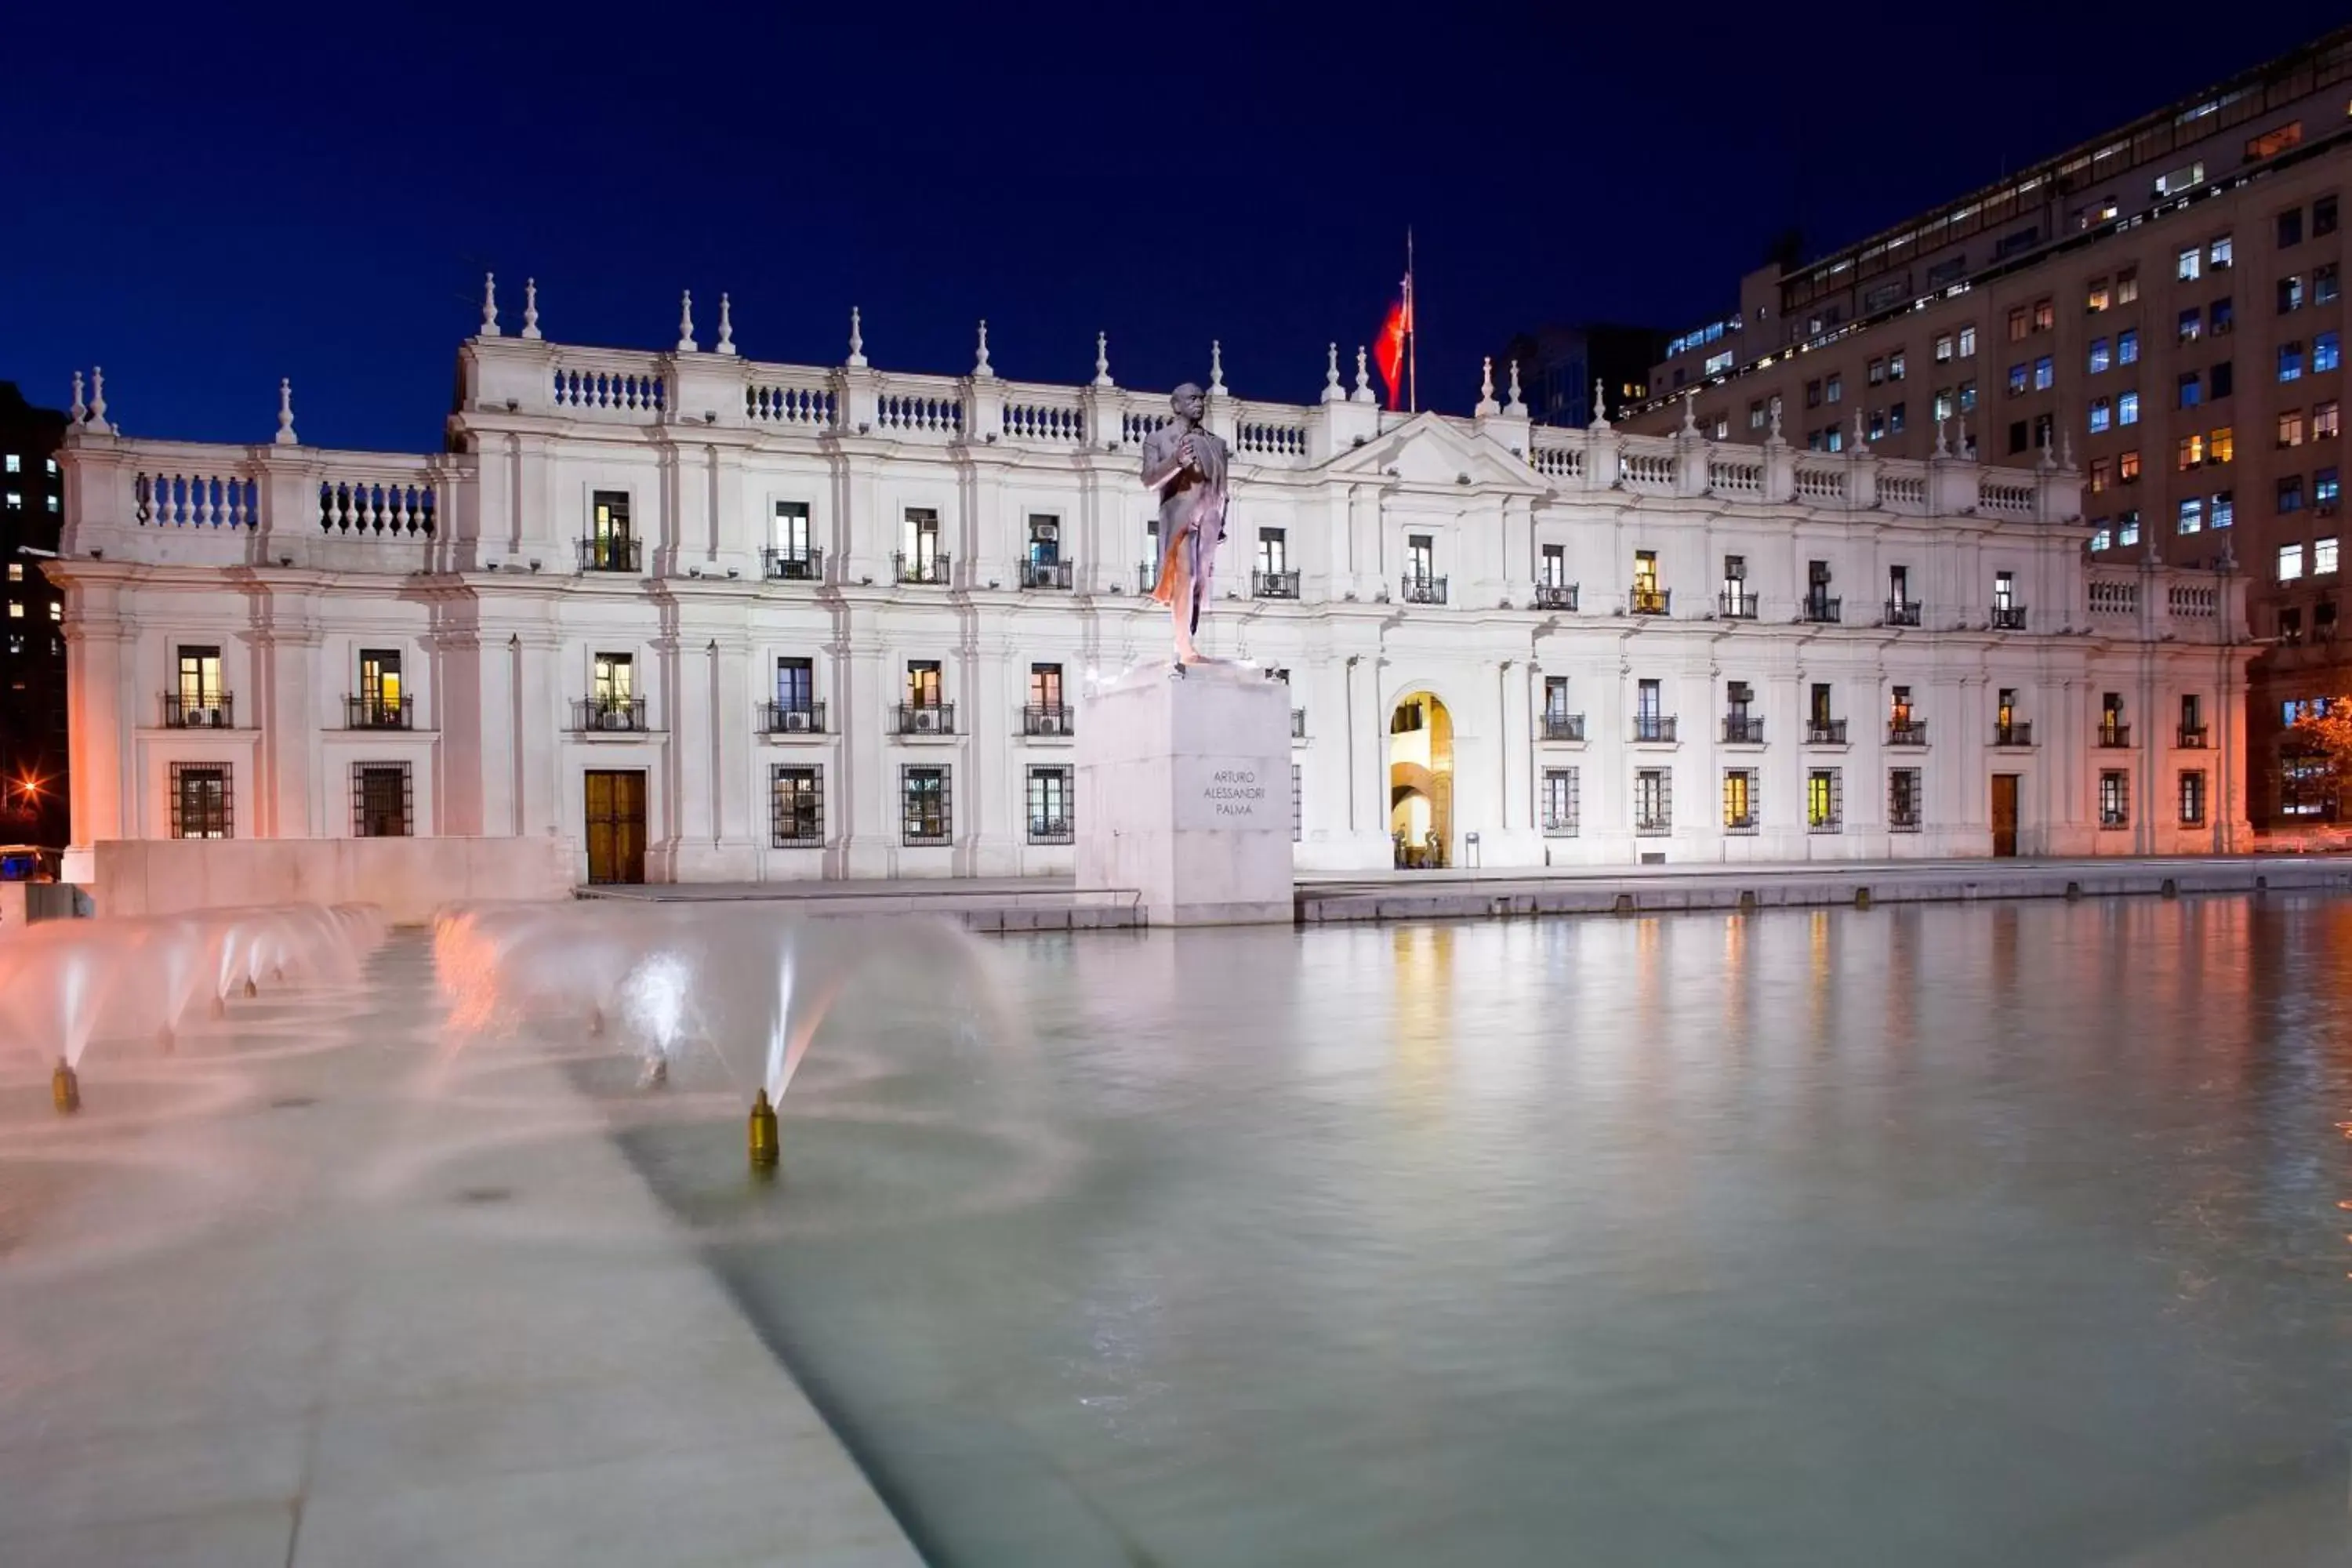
<point x="1420" y="782"/>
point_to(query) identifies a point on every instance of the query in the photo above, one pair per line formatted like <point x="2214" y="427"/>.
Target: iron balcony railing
<point x="1821" y="609"/>
<point x="1907" y="732"/>
<point x="1654" y="727"/>
<point x="1298" y="723"/>
<point x="2009" y="617"/>
<point x="1650" y="600"/>
<point x="608" y="713"/>
<point x="1045" y="575"/>
<point x="1420" y="590"/>
<point x="923" y="719"/>
<point x="1147" y="576"/>
<point x="927" y="569"/>
<point x="1742" y="730"/>
<point x="1902" y="613"/>
<point x="613" y="553"/>
<point x="1736" y="604"/>
<point x="1825" y="732"/>
<point x="780" y="565"/>
<point x="2114" y="736"/>
<point x="1555" y="595"/>
<point x="206" y="711"/>
<point x="1274" y="584"/>
<point x="792" y="718"/>
<point x="2192" y="737"/>
<point x="1049" y="719"/>
<point x="1563" y="726"/>
<point x="374" y="710"/>
<point x="2017" y="734"/>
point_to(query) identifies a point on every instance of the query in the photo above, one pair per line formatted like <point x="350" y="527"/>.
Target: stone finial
<point x="1363" y="393"/>
<point x="1216" y="368"/>
<point x="1331" y="389"/>
<point x="1102" y="360"/>
<point x="490" y="305"/>
<point x="1860" y="441"/>
<point x="80" y="409"/>
<point x="1690" y="412"/>
<point x="1518" y="406"/>
<point x="2066" y="453"/>
<point x="1599" y="405"/>
<point x="857" y="359"/>
<point x="1486" y="404"/>
<point x="1941" y="450"/>
<point x="1775" y="432"/>
<point x="531" y="309"/>
<point x="980" y="369"/>
<point x="726" y="343"/>
<point x="1960" y="437"/>
<point x="97" y="399"/>
<point x="286" y="437"/>
<point x="686" y="321"/>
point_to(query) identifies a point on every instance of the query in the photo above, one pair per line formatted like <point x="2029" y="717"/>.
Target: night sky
<point x="204" y="199"/>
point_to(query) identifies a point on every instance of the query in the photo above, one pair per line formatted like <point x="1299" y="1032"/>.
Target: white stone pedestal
<point x="1184" y="794"/>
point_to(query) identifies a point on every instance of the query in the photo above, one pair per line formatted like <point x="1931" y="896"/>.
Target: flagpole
<point x="1412" y="333"/>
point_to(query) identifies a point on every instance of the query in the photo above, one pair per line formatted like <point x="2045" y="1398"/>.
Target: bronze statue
<point x="1186" y="464"/>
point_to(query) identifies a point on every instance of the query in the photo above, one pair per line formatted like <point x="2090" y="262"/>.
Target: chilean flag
<point x="1391" y="351"/>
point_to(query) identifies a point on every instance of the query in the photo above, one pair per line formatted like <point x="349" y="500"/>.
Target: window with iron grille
<point x="1654" y="802"/>
<point x="1051" y="815"/>
<point x="202" y="801"/>
<point x="2192" y="798"/>
<point x="1560" y="803"/>
<point x="382" y="801"/>
<point x="1903" y="800"/>
<point x="1825" y="800"/>
<point x="796" y="807"/>
<point x="2114" y="800"/>
<point x="926" y="810"/>
<point x="1739" y="797"/>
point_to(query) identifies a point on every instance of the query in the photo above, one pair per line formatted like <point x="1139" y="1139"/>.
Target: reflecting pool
<point x="1989" y="1234"/>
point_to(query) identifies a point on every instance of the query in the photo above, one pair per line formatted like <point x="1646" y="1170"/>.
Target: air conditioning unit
<point x="930" y="721"/>
<point x="616" y="718"/>
<point x="796" y="719"/>
<point x="1050" y="723"/>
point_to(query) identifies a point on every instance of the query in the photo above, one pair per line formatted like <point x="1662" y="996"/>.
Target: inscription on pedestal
<point x="1232" y="793"/>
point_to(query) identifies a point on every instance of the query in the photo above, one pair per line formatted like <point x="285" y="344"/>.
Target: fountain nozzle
<point x="250" y="988"/>
<point x="656" y="1074"/>
<point x="763" y="1133"/>
<point x="64" y="1090"/>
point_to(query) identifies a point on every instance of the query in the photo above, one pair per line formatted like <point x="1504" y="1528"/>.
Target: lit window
<point x="2290" y="563"/>
<point x="2127" y="281"/>
<point x="2189" y="452"/>
<point x="16" y="465"/>
<point x="2290" y="429"/>
<point x="13" y="500"/>
<point x="2097" y="296"/>
<point x="2127" y="468"/>
<point x="2191" y="325"/>
<point x="2101" y="356"/>
<point x="1943" y="347"/>
<point x="1835" y="437"/>
<point x="1894" y="363"/>
<point x="2127" y="528"/>
<point x="1877" y="372"/>
<point x="2290" y="294"/>
<point x="2043" y="374"/>
<point x="2102" y="474"/>
<point x="2225" y="509"/>
<point x="2324" y="285"/>
<point x="56" y="609"/>
<point x="50" y="467"/>
<point x="2189" y="264"/>
<point x="2016" y="379"/>
<point x="1877" y="424"/>
<point x="16" y="572"/>
<point x="1944" y="403"/>
<point x="1968" y="342"/>
<point x="2326" y="422"/>
<point x="1835" y="389"/>
<point x="2220" y="446"/>
<point x="1756" y="413"/>
<point x="2017" y="324"/>
<point x="2045" y="315"/>
<point x="2114" y="800"/>
<point x="2325" y="353"/>
<point x="51" y="502"/>
<point x="2193" y="798"/>
<point x="2127" y="408"/>
<point x="2192" y="516"/>
<point x="2322" y="557"/>
<point x="2290" y="366"/>
<point x="1967" y="397"/>
<point x="2271" y="143"/>
<point x="2100" y="538"/>
<point x="2290" y="494"/>
<point x="15" y="611"/>
<point x="2325" y="489"/>
<point x="2218" y="254"/>
<point x="2103" y="413"/>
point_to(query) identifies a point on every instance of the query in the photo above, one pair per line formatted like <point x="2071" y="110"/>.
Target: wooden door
<point x="616" y="825"/>
<point x="2004" y="815"/>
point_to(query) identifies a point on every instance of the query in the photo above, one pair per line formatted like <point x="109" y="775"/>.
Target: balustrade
<point x="806" y="407"/>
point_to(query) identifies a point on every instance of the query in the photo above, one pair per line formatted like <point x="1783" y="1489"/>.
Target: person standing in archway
<point x="1186" y="464"/>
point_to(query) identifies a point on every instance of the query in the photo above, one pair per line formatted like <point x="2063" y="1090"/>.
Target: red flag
<point x="1391" y="350"/>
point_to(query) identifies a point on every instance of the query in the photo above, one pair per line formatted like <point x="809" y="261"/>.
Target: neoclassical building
<point x="690" y="617"/>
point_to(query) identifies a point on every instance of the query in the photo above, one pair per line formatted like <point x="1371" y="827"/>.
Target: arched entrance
<point x="1421" y="783"/>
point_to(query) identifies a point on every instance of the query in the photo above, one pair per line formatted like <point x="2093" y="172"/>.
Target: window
<point x="1273" y="551"/>
<point x="2325" y="353"/>
<point x="16" y="572"/>
<point x="2220" y="446"/>
<point x="381" y="800"/>
<point x="1721" y="429"/>
<point x="2290" y="227"/>
<point x="1812" y="394"/>
<point x="2191" y="325"/>
<point x="1046" y="688"/>
<point x="2017" y="428"/>
<point x="1896" y="419"/>
<point x="615" y="680"/>
<point x="2221" y="382"/>
<point x="1968" y="342"/>
<point x="1834" y="388"/>
<point x="1943" y="403"/>
<point x="1554" y="571"/>
<point x="2045" y="315"/>
<point x="2043" y="374"/>
<point x="50" y="504"/>
<point x="1046" y="539"/>
<point x="2004" y="590"/>
<point x="2290" y="563"/>
<point x="2192" y="798"/>
<point x="2097" y="296"/>
<point x="2290" y="294"/>
<point x="2102" y="536"/>
<point x="2323" y="217"/>
<point x="1898" y="584"/>
<point x="1894" y="363"/>
<point x="1943" y="348"/>
<point x="1903" y="797"/>
<point x="1646" y="702"/>
<point x="925" y="809"/>
<point x="13" y="500"/>
<point x="1877" y="424"/>
<point x="2219" y="317"/>
<point x="2225" y="510"/>
<point x="2290" y="494"/>
<point x="1654" y="802"/>
<point x="1421" y="557"/>
<point x="201" y="801"/>
<point x="1877" y="373"/>
<point x="2102" y="470"/>
<point x="2192" y="516"/>
<point x="1967" y="397"/>
<point x="1051" y="817"/>
<point x="2016" y="379"/>
<point x="2189" y="263"/>
<point x="923" y="683"/>
<point x="2126" y="528"/>
<point x="2326" y="490"/>
<point x="2190" y="390"/>
<point x="1645" y="574"/>
<point x="2127" y="348"/>
<point x="796" y="690"/>
<point x="2290" y="361"/>
<point x="2127" y="468"/>
<point x="2017" y="324"/>
<point x="1559" y="803"/>
<point x="2323" y="556"/>
<point x="14" y="465"/>
<point x="379" y="696"/>
<point x="2290" y="429"/>
<point x="609" y="530"/>
<point x="2127" y="408"/>
<point x="49" y="464"/>
<point x="2101" y="355"/>
<point x="2219" y="253"/>
<point x="15" y="611"/>
<point x="2325" y="288"/>
<point x="796" y="807"/>
<point x="2115" y="799"/>
<point x="919" y="545"/>
<point x="1756" y="413"/>
<point x="793" y="543"/>
<point x="1555" y="695"/>
<point x="200" y="691"/>
<point x="2326" y="423"/>
<point x="2271" y="143"/>
<point x="1824" y="800"/>
<point x="2103" y="413"/>
<point x="1739" y="800"/>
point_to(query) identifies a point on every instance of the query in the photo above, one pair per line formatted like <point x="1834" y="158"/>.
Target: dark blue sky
<point x="204" y="199"/>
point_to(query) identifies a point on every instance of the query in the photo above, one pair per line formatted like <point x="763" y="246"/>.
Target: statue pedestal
<point x="1184" y="794"/>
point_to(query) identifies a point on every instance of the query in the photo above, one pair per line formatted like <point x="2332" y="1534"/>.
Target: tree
<point x="2322" y="729"/>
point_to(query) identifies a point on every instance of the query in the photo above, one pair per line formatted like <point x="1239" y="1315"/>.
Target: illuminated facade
<point x="704" y="618"/>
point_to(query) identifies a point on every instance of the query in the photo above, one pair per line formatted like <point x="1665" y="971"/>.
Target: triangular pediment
<point x="1428" y="451"/>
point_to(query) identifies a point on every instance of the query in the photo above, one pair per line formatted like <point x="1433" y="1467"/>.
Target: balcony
<point x="2114" y="737"/>
<point x="2012" y="735"/>
<point x="1741" y="729"/>
<point x="1298" y="723"/>
<point x="792" y="565"/>
<point x="1825" y="732"/>
<point x="1736" y="604"/>
<point x="928" y="570"/>
<point x="206" y="711"/>
<point x="2192" y="738"/>
<point x="375" y="711"/>
<point x="1907" y="732"/>
<point x="1901" y="613"/>
<point x="1052" y="830"/>
<point x="1555" y="596"/>
<point x="613" y="715"/>
<point x="1563" y="726"/>
<point x="1049" y="719"/>
<point x="614" y="553"/>
<point x="923" y="719"/>
<point x="1274" y="584"/>
<point x="1420" y="590"/>
<point x="1045" y="575"/>
<point x="1649" y="600"/>
<point x="2009" y="617"/>
<point x="1654" y="729"/>
<point x="1147" y="576"/>
<point x="1821" y="609"/>
<point x="792" y="718"/>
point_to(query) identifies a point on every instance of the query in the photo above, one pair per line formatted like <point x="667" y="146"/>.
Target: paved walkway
<point x="295" y="1298"/>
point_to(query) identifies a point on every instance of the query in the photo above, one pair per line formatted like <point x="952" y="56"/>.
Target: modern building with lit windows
<point x="688" y="616"/>
<point x="2165" y="303"/>
<point x="32" y="637"/>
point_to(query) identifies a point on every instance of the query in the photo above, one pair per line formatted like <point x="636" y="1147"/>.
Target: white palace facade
<point x="687" y="617"/>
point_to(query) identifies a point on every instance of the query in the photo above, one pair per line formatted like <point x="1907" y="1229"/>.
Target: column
<point x="865" y="793"/>
<point x="286" y="803"/>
